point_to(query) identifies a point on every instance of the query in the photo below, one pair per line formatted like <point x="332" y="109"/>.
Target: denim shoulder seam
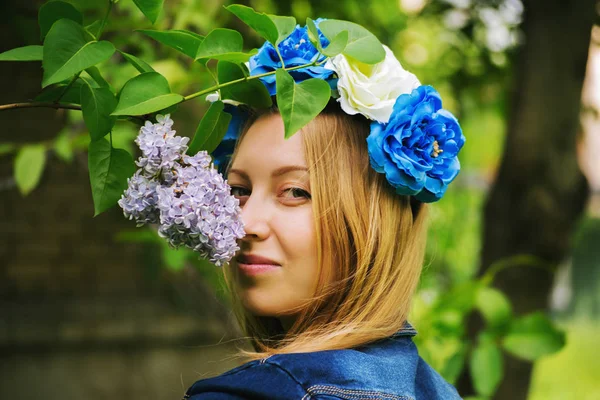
<point x="265" y="361"/>
<point x="351" y="394"/>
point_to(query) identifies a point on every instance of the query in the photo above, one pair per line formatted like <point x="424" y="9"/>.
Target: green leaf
<point x="174" y="258"/>
<point x="285" y="26"/>
<point x="150" y="8"/>
<point x="67" y="52"/>
<point x="94" y="28"/>
<point x="486" y="367"/>
<point x="494" y="306"/>
<point x="461" y="298"/>
<point x="28" y="166"/>
<point x="109" y="169"/>
<point x="180" y="40"/>
<point x="218" y="42"/>
<point x="454" y="365"/>
<point x="362" y="44"/>
<point x="27" y="53"/>
<point x="72" y="95"/>
<point x="97" y="104"/>
<point x="141" y="65"/>
<point x="144" y="94"/>
<point x="236" y="57"/>
<point x="62" y="146"/>
<point x="299" y="103"/>
<point x="313" y="34"/>
<point x="53" y="11"/>
<point x="211" y="129"/>
<point x="138" y="236"/>
<point x="533" y="336"/>
<point x="260" y="22"/>
<point x="95" y="74"/>
<point x="337" y="45"/>
<point x="6" y="148"/>
<point x="251" y="92"/>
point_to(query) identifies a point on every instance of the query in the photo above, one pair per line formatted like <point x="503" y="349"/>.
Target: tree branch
<point x="40" y="104"/>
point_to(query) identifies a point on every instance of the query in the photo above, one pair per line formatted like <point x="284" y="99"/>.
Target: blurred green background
<point x="94" y="307"/>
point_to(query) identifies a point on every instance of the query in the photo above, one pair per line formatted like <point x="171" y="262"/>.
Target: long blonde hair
<point x="371" y="239"/>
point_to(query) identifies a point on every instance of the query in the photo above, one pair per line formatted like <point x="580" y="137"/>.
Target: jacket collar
<point x="406" y="330"/>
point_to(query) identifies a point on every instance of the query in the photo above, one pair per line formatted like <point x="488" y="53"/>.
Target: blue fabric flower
<point x="417" y="149"/>
<point x="222" y="154"/>
<point x="295" y="50"/>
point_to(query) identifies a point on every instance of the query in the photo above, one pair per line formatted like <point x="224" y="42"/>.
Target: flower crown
<point x="412" y="140"/>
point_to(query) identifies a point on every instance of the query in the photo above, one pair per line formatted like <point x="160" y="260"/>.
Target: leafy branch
<point x="71" y="54"/>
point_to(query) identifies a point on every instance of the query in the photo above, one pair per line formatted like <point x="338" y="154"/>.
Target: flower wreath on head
<point x="412" y="140"/>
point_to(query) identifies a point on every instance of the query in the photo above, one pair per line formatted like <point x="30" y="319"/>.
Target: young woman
<point x="323" y="281"/>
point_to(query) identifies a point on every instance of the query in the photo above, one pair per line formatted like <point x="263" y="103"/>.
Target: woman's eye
<point x="295" y="192"/>
<point x="239" y="191"/>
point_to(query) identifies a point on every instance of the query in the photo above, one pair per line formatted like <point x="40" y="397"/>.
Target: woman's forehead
<point x="264" y="143"/>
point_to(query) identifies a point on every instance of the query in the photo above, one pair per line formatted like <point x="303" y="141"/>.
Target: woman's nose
<point x="256" y="216"/>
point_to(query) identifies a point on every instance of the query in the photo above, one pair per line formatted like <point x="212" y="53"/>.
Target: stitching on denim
<point x="352" y="394"/>
<point x="279" y="367"/>
<point x="262" y="361"/>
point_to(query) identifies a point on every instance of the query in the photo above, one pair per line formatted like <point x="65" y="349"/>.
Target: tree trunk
<point x="539" y="192"/>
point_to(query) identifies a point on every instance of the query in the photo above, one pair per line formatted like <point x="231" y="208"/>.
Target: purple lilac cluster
<point x="185" y="195"/>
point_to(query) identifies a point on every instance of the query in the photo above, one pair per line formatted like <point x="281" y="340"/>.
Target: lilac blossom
<point x="185" y="195"/>
<point x="140" y="199"/>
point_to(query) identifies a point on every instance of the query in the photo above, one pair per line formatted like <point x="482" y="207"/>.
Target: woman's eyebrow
<point x="278" y="172"/>
<point x="288" y="168"/>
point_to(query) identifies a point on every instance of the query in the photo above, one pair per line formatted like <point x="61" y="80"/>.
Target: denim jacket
<point x="389" y="369"/>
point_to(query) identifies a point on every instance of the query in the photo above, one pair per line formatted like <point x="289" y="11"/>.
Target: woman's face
<point x="269" y="176"/>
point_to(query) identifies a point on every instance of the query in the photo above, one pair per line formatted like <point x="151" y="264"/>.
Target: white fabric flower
<point x="371" y="90"/>
<point x="215" y="96"/>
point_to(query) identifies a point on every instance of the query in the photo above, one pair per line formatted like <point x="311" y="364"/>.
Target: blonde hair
<point x="371" y="239"/>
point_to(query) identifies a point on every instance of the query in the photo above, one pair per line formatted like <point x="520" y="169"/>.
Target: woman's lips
<point x="256" y="269"/>
<point x="253" y="264"/>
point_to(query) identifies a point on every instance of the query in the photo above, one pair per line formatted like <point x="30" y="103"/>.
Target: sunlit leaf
<point x="337" y="45"/>
<point x="299" y="103"/>
<point x="150" y="8"/>
<point x="260" y="22"/>
<point x="533" y="336"/>
<point x="28" y="167"/>
<point x="285" y="26"/>
<point x="460" y="298"/>
<point x="109" y="169"/>
<point x="184" y="41"/>
<point x="251" y="92"/>
<point x="97" y="104"/>
<point x="313" y="34"/>
<point x="494" y="306"/>
<point x="211" y="129"/>
<point x="52" y="11"/>
<point x="139" y="64"/>
<point x="218" y="42"/>
<point x="362" y="44"/>
<point x="454" y="365"/>
<point x="62" y="146"/>
<point x="27" y="53"/>
<point x="486" y="367"/>
<point x="144" y="94"/>
<point x="67" y="52"/>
